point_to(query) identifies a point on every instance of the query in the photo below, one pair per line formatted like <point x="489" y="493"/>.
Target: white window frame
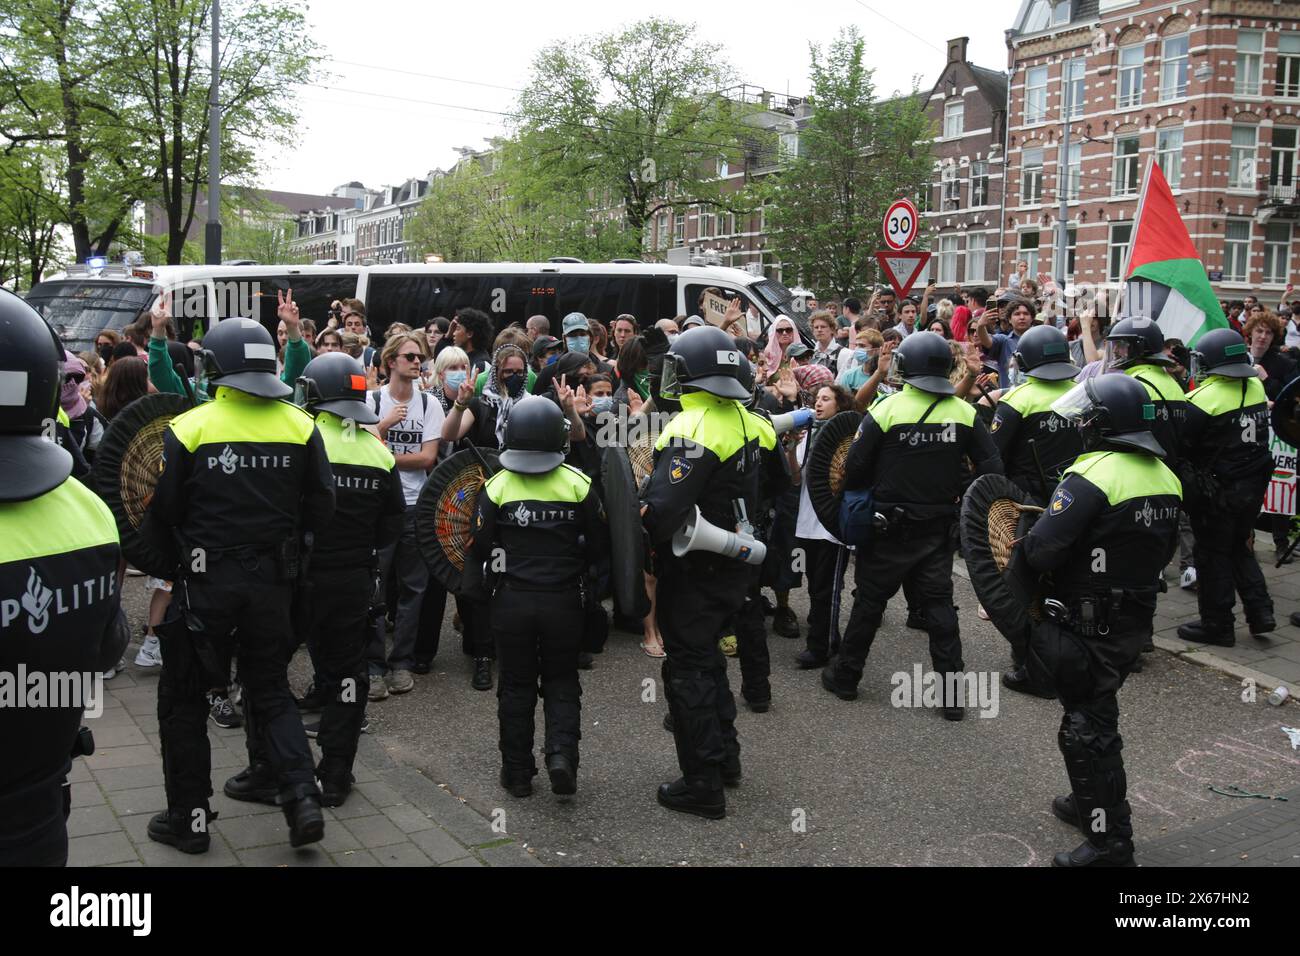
<point x="1286" y="83"/>
<point x="1117" y="252"/>
<point x="1130" y="75"/>
<point x="979" y="183"/>
<point x="1071" y="251"/>
<point x="1169" y="155"/>
<point x="1123" y="182"/>
<point x="1173" y="68"/>
<point x="949" y="189"/>
<point x="976" y="256"/>
<point x="1035" y="95"/>
<point x="1236" y="251"/>
<point x="1277" y="255"/>
<point x="1243" y="158"/>
<point x="1034" y="178"/>
<point x="1250" y="63"/>
<point x="1074" y="90"/>
<point x="1029" y="254"/>
<point x="947" y="267"/>
<point x="954" y="119"/>
<point x="1073" y="171"/>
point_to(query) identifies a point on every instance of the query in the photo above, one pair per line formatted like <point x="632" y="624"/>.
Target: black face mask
<point x="106" y="353"/>
<point x="514" y="383"/>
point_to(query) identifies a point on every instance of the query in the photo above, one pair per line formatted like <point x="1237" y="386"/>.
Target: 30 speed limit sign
<point x="900" y="225"/>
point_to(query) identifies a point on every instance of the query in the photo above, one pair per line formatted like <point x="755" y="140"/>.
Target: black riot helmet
<point x="240" y="354"/>
<point x="1135" y="340"/>
<point x="924" y="360"/>
<point x="1111" y="411"/>
<point x="31" y="376"/>
<point x="537" y="437"/>
<point x="1222" y="352"/>
<point x="335" y="382"/>
<point x="705" y="359"/>
<point x="1043" y="353"/>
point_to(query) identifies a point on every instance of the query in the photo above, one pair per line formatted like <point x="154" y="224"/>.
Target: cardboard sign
<point x="715" y="309"/>
<point x="1280" y="498"/>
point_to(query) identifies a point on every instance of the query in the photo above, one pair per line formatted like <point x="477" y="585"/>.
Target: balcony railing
<point x="1281" y="192"/>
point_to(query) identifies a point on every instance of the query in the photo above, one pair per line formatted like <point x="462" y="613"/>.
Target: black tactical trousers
<point x="1226" y="564"/>
<point x="750" y="628"/>
<point x="697" y="596"/>
<point x="475" y="631"/>
<point x="1089" y="736"/>
<point x="537" y="635"/>
<point x="821" y="561"/>
<point x="234" y="608"/>
<point x="432" y="610"/>
<point x="338" y="629"/>
<point x="919" y="555"/>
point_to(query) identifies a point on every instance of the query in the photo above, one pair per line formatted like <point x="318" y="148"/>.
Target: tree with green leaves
<point x="30" y="203"/>
<point x="634" y="120"/>
<point x="856" y="156"/>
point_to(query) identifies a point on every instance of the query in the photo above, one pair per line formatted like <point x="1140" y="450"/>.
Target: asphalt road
<point x="828" y="782"/>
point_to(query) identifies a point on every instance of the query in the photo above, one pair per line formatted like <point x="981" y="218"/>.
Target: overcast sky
<point x="394" y="103"/>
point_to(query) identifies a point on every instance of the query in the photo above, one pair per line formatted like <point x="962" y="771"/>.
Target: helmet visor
<point x="1201" y="368"/>
<point x="1076" y="404"/>
<point x="1119" y="353"/>
<point x="670" y="385"/>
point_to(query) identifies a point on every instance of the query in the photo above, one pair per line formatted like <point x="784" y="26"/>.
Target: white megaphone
<point x="792" y="420"/>
<point x="699" y="535"/>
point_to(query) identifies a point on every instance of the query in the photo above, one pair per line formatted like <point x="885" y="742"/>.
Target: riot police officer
<point x="1108" y="531"/>
<point x="59" y="608"/>
<point x="538" y="529"/>
<point x="1227" y="468"/>
<point x="245" y="484"/>
<point x="1035" y="443"/>
<point x="1136" y="346"/>
<point x="707" y="463"/>
<point x="908" y="451"/>
<point x="342" y="575"/>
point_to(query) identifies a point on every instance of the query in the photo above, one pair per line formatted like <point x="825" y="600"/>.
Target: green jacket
<point x="296" y="356"/>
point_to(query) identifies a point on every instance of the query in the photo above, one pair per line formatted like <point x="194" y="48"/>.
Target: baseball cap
<point x="796" y="350"/>
<point x="574" y="321"/>
<point x="544" y="344"/>
<point x="691" y="322"/>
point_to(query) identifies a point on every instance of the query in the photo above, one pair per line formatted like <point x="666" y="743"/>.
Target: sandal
<point x="653" y="650"/>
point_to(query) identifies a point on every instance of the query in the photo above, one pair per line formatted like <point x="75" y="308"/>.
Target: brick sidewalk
<point x="394" y="817"/>
<point x="1261" y="833"/>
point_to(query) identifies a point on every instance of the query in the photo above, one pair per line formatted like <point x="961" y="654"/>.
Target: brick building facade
<point x="1210" y="90"/>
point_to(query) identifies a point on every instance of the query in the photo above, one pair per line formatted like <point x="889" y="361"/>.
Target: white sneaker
<point x="150" y="654"/>
<point x="1188" y="580"/>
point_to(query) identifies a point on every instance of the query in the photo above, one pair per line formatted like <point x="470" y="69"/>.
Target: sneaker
<point x="312" y="730"/>
<point x="378" y="687"/>
<point x="400" y="681"/>
<point x="109" y="674"/>
<point x="222" y="712"/>
<point x="1188" y="581"/>
<point x="728" y="645"/>
<point x="150" y="654"/>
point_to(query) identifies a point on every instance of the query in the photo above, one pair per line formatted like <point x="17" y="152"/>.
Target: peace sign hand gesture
<point x="287" y="311"/>
<point x="161" y="315"/>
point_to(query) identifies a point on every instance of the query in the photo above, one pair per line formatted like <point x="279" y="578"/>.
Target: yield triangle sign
<point x="902" y="269"/>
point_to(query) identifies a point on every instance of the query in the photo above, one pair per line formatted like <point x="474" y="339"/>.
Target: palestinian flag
<point x="1165" y="279"/>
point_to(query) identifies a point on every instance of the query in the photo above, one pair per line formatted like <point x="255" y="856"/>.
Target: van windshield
<point x="775" y="295"/>
<point x="79" y="310"/>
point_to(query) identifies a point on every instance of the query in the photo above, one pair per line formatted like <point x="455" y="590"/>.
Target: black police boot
<point x="518" y="783"/>
<point x="696" y="797"/>
<point x="421" y="667"/>
<point x="175" y="828"/>
<point x="482" y="674"/>
<point x="1067" y="811"/>
<point x="916" y="619"/>
<point x="255" y="784"/>
<point x="1295" y="618"/>
<point x="785" y="623"/>
<point x="809" y="660"/>
<point x="1262" y="624"/>
<point x="306" y="822"/>
<point x="586" y="661"/>
<point x="564" y="776"/>
<point x="731" y="772"/>
<point x="335" y="785"/>
<point x="1018" y="679"/>
<point x="760" y="706"/>
<point x="1198" y="632"/>
<point x="668" y="721"/>
<point x="832" y="683"/>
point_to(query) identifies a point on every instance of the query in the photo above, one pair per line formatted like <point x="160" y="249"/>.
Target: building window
<point x="1126" y="165"/>
<point x="1121" y="235"/>
<point x="1036" y="95"/>
<point x="789" y="145"/>
<point x="1277" y="252"/>
<point x="1074" y="93"/>
<point x="1073" y="171"/>
<point x="979" y="183"/>
<point x="947" y="260"/>
<point x="661" y="230"/>
<point x="1028" y="249"/>
<point x="1281" y="173"/>
<point x="679" y="230"/>
<point x="951" y="189"/>
<point x="724" y="169"/>
<point x="1250" y="62"/>
<point x="1130" y="76"/>
<point x="954" y="117"/>
<point x="1236" y="251"/>
<point x="1288" y="66"/>
<point x="1169" y="154"/>
<point x="1241" y="164"/>
<point x="976" y="244"/>
<point x="706" y="225"/>
<point x="1031" y="179"/>
<point x="1071" y="244"/>
<point x="1173" y="68"/>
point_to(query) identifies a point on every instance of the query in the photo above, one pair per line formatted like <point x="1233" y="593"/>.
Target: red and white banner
<point x="1279" y="499"/>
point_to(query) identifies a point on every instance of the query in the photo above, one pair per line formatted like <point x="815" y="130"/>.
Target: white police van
<point x="83" y="302"/>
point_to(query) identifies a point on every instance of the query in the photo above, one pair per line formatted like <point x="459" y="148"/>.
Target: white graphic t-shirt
<point x="423" y="423"/>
